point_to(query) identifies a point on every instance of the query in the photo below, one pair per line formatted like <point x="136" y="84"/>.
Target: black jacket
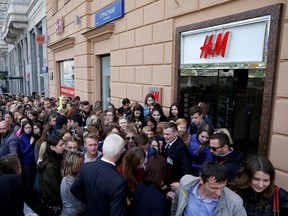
<point x="178" y="159"/>
<point x="49" y="174"/>
<point x="150" y="200"/>
<point x="232" y="161"/>
<point x="11" y="195"/>
<point x="251" y="198"/>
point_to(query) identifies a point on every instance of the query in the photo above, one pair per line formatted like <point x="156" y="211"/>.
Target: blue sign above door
<point x="110" y="13"/>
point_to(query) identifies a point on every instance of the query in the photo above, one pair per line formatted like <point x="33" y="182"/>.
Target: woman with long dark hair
<point x="149" y="101"/>
<point x="199" y="149"/>
<point x="49" y="174"/>
<point x="150" y="196"/>
<point x="27" y="144"/>
<point x="132" y="170"/>
<point x="255" y="184"/>
<point x="137" y="116"/>
<point x="174" y="112"/>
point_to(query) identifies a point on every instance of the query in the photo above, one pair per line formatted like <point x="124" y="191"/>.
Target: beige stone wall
<point x="279" y="136"/>
<point x="142" y="50"/>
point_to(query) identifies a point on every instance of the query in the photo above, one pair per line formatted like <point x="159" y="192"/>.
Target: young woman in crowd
<point x="151" y="122"/>
<point x="110" y="116"/>
<point x="130" y="133"/>
<point x="123" y="122"/>
<point x="32" y="115"/>
<point x="132" y="170"/>
<point x="137" y="116"/>
<point x="199" y="149"/>
<point x="255" y="184"/>
<point x="174" y="112"/>
<point x="27" y="144"/>
<point x="149" y="132"/>
<point x="149" y="101"/>
<point x="8" y="117"/>
<point x="18" y="126"/>
<point x="69" y="170"/>
<point x="49" y="175"/>
<point x="160" y="128"/>
<point x="157" y="114"/>
<point x="71" y="145"/>
<point x="41" y="144"/>
<point x="182" y="130"/>
<point x="42" y="115"/>
<point x="156" y="145"/>
<point x="37" y="131"/>
<point x="150" y="194"/>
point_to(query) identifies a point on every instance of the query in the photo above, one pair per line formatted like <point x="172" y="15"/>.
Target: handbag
<point x="276" y="207"/>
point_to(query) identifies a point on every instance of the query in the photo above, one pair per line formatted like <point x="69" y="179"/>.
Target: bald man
<point x="9" y="142"/>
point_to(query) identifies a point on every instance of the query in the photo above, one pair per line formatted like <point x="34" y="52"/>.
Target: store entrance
<point x="235" y="99"/>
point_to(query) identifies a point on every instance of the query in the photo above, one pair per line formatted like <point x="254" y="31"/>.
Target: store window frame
<point x="66" y="77"/>
<point x="275" y="11"/>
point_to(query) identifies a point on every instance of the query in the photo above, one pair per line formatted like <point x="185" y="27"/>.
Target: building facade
<point x="24" y="35"/>
<point x="230" y="54"/>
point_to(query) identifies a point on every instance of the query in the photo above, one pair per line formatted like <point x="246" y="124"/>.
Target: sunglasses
<point x="128" y="138"/>
<point x="215" y="148"/>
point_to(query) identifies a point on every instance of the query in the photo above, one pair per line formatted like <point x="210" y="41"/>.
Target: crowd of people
<point x="64" y="156"/>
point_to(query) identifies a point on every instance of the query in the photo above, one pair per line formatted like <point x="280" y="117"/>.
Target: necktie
<point x="167" y="147"/>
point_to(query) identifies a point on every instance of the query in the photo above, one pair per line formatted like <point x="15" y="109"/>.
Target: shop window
<point x="105" y="81"/>
<point x="67" y="78"/>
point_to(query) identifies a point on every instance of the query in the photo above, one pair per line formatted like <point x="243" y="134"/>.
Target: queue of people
<point x="69" y="157"/>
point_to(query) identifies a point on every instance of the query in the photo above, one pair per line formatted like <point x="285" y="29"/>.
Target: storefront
<point x="226" y="64"/>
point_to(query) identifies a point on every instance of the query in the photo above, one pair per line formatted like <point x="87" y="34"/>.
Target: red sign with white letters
<point x="70" y="92"/>
<point x="210" y="48"/>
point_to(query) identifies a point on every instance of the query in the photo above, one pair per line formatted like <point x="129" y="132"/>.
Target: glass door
<point x="105" y="81"/>
<point x="235" y="99"/>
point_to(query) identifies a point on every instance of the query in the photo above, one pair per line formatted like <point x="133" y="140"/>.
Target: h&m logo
<point x="219" y="48"/>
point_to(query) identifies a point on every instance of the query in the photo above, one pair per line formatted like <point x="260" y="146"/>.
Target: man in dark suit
<point x="176" y="152"/>
<point x="99" y="184"/>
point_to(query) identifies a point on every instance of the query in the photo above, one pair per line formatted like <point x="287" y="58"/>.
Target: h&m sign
<point x="156" y="91"/>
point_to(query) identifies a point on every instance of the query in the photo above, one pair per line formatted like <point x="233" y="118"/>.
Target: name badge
<point x="169" y="160"/>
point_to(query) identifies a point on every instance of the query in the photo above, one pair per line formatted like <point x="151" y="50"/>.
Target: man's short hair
<point x="113" y="145"/>
<point x="222" y="138"/>
<point x="60" y="121"/>
<point x="77" y="118"/>
<point x="76" y="98"/>
<point x="84" y="103"/>
<point x="47" y="99"/>
<point x="171" y="125"/>
<point x="91" y="135"/>
<point x="195" y="109"/>
<point x="125" y="101"/>
<point x="215" y="170"/>
<point x="141" y="138"/>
